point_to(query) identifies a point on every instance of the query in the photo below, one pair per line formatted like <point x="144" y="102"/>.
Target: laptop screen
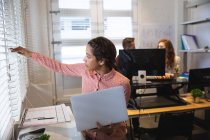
<point x="104" y="106"/>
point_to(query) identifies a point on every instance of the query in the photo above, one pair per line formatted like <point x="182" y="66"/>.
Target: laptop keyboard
<point x="160" y="80"/>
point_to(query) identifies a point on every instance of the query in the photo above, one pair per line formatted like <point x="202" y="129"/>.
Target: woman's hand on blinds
<point x="22" y="51"/>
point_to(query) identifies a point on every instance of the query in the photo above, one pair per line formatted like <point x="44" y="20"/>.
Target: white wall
<point x="156" y="21"/>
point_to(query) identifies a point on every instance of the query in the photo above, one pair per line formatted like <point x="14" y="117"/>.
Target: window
<point x="81" y="20"/>
<point x="117" y="27"/>
<point x="114" y="5"/>
<point x="72" y="4"/>
<point x="75" y="28"/>
<point x="75" y="56"/>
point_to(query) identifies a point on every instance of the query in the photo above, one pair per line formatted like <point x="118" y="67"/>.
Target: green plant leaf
<point x="44" y="137"/>
<point x="196" y="92"/>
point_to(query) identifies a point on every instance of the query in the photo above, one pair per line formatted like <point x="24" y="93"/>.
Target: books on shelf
<point x="46" y="115"/>
<point x="189" y="42"/>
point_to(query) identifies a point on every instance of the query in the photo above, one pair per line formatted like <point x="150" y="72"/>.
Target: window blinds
<point x="5" y="110"/>
<point x="12" y="66"/>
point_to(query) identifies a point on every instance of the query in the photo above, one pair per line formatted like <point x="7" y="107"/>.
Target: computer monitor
<point x="199" y="78"/>
<point x="150" y="60"/>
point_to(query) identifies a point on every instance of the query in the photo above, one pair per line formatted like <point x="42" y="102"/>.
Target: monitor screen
<point x="199" y="78"/>
<point x="151" y="60"/>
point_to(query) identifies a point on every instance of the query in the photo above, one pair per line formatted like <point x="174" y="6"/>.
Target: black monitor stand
<point x="165" y="96"/>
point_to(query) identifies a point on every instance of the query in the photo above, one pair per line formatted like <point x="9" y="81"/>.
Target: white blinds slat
<point x="3" y="98"/>
<point x="7" y="120"/>
<point x="4" y="109"/>
<point x="2" y="49"/>
<point x="3" y="88"/>
<point x="2" y="56"/>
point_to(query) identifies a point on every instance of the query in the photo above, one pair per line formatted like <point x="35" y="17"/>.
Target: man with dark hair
<point x="128" y="43"/>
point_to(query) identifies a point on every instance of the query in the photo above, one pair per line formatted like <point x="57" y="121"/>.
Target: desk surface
<point x="60" y="131"/>
<point x="191" y="106"/>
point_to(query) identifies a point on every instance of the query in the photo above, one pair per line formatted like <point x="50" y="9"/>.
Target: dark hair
<point x="170" y="54"/>
<point x="126" y="43"/>
<point x="103" y="48"/>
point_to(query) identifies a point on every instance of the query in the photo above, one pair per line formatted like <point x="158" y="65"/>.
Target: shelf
<point x="196" y="4"/>
<point x="196" y="21"/>
<point x="196" y="51"/>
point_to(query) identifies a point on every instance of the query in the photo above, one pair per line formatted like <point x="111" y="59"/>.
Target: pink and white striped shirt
<point x="91" y="81"/>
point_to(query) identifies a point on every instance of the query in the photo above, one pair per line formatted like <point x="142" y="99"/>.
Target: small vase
<point x="176" y="74"/>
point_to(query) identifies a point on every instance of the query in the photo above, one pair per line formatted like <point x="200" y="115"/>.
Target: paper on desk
<point x="46" y="115"/>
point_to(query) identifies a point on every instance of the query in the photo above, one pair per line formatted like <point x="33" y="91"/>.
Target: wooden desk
<point x="191" y="106"/>
<point x="154" y="111"/>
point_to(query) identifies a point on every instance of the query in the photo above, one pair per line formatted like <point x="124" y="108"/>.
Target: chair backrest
<point x="175" y="124"/>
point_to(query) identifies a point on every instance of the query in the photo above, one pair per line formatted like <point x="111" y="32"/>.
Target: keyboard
<point x="161" y="80"/>
<point x="159" y="77"/>
<point x="151" y="77"/>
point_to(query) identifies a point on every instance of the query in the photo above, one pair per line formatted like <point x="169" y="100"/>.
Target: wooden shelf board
<point x="196" y="4"/>
<point x="195" y="51"/>
<point x="196" y="21"/>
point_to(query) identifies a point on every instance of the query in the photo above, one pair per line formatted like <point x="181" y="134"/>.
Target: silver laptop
<point x="105" y="106"/>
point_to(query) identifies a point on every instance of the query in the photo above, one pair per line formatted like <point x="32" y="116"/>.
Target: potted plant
<point x="44" y="137"/>
<point x="197" y="94"/>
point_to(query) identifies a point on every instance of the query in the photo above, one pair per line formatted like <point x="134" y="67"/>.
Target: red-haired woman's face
<point x="161" y="45"/>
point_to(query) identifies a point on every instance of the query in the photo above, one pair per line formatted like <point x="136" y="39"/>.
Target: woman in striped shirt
<point x="97" y="73"/>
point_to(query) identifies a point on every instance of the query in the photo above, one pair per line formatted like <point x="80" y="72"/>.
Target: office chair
<point x="175" y="124"/>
